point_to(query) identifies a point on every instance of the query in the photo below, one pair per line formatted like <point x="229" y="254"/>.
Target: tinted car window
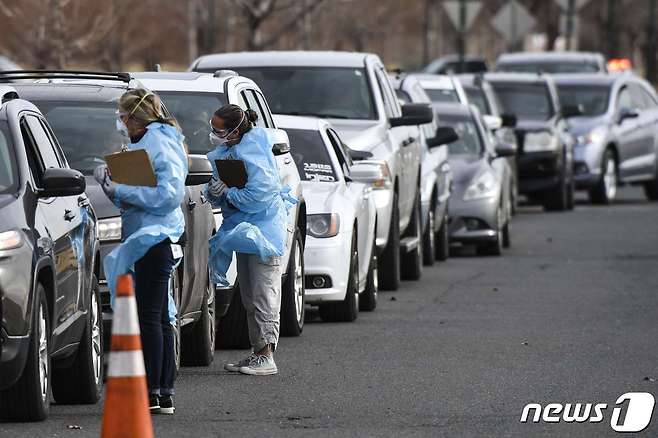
<point x="526" y="101"/>
<point x="624" y="99"/>
<point x="43" y="142"/>
<point x="342" y="93"/>
<point x="594" y="99"/>
<point x="311" y="156"/>
<point x="85" y="130"/>
<point x="253" y="104"/>
<point x="550" y="67"/>
<point x="403" y="96"/>
<point x="469" y="142"/>
<point x="193" y="112"/>
<point x="440" y="96"/>
<point x="8" y="176"/>
<point x="476" y="97"/>
<point x="648" y="98"/>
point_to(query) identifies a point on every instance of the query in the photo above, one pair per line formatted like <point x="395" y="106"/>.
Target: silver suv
<point x="353" y="91"/>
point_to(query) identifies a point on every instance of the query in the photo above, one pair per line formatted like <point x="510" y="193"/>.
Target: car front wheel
<point x="293" y="295"/>
<point x="348" y="309"/>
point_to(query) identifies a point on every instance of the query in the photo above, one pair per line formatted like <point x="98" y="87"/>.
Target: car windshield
<point x="526" y="101"/>
<point x="593" y="99"/>
<point x="311" y="156"/>
<point x="8" y="175"/>
<point x="335" y="93"/>
<point x="442" y="96"/>
<point x="476" y="97"/>
<point x="193" y="111"/>
<point x="469" y="142"/>
<point x="86" y="131"/>
<point x="550" y="67"/>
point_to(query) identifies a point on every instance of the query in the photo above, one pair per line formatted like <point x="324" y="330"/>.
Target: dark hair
<point x="233" y="114"/>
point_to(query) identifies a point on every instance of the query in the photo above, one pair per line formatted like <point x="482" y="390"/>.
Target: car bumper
<point x="539" y="171"/>
<point x="13" y="354"/>
<point x="330" y="259"/>
<point x="587" y="165"/>
<point x="384" y="203"/>
<point x="473" y="221"/>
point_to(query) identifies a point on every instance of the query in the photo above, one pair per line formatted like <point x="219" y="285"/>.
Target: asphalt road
<point x="569" y="314"/>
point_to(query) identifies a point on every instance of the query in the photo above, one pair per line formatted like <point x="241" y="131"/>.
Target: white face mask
<point x="216" y="140"/>
<point x="121" y="127"/>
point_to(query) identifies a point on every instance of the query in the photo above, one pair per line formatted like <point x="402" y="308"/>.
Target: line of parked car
<point x="391" y="170"/>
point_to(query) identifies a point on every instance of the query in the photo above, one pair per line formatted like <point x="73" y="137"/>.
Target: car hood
<point x="321" y="197"/>
<point x="583" y="125"/>
<point x="361" y="135"/>
<point x="102" y="205"/>
<point x="465" y="167"/>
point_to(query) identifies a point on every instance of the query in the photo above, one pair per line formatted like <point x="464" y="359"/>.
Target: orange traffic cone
<point x="126" y="412"/>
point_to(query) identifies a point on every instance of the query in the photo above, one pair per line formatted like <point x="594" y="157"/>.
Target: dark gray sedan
<point x="616" y="135"/>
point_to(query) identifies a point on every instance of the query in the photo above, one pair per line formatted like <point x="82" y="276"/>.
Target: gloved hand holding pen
<point x="217" y="188"/>
<point x="102" y="175"/>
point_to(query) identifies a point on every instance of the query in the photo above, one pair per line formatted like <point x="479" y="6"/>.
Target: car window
<point x="592" y="98"/>
<point x="242" y="101"/>
<point x="311" y="156"/>
<point x="403" y="96"/>
<point x="253" y="104"/>
<point x="8" y="173"/>
<point x="382" y="82"/>
<point x="341" y="152"/>
<point x="264" y="109"/>
<point x="624" y="99"/>
<point x="44" y="146"/>
<point x="636" y="96"/>
<point x="476" y="97"/>
<point x="469" y="141"/>
<point x="442" y="95"/>
<point x="649" y="99"/>
<point x="335" y="92"/>
<point x="549" y="67"/>
<point x="526" y="101"/>
<point x="193" y="112"/>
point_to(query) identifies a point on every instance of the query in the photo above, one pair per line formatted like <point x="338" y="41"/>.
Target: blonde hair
<point x="144" y="107"/>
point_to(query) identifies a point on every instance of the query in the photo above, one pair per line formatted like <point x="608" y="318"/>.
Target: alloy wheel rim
<point x="211" y="312"/>
<point x="298" y="284"/>
<point x="610" y="180"/>
<point x="43" y="354"/>
<point x="375" y="271"/>
<point x="431" y="224"/>
<point x="96" y="347"/>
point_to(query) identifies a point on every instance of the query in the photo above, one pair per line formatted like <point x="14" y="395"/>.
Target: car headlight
<point x="482" y="186"/>
<point x="109" y="230"/>
<point x="322" y="225"/>
<point x="596" y="135"/>
<point x="11" y="240"/>
<point x="539" y="142"/>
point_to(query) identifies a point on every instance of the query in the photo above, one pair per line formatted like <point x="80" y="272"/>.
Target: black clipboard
<point x="232" y="172"/>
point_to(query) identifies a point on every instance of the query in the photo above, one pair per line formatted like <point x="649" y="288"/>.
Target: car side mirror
<point x="627" y="113"/>
<point x="413" y="114"/>
<point x="444" y="135"/>
<point x="571" y="111"/>
<point x="368" y="172"/>
<point x="199" y="170"/>
<point x="508" y="120"/>
<point x="62" y="182"/>
<point x="504" y="149"/>
<point x="280" y="141"/>
<point x="493" y="122"/>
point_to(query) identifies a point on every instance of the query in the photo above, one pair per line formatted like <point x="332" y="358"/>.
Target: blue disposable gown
<point x="150" y="215"/>
<point x="255" y="216"/>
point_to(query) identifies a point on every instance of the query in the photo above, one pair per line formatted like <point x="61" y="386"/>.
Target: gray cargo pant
<point x="260" y="289"/>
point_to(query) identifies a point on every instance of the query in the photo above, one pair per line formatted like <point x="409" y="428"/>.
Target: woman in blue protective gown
<point x="152" y="224"/>
<point x="254" y="226"/>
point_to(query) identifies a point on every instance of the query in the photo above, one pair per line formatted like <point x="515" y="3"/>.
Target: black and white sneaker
<point x="166" y="405"/>
<point x="154" y="403"/>
<point x="234" y="367"/>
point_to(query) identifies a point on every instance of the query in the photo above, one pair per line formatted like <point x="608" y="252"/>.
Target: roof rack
<point x="14" y="75"/>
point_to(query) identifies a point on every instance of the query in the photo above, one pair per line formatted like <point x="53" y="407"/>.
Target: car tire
<point x="494" y="248"/>
<point x="82" y="381"/>
<point x="389" y="260"/>
<point x="558" y="198"/>
<point x="507" y="240"/>
<point x="293" y="293"/>
<point x="429" y="243"/>
<point x="348" y="309"/>
<point x="232" y="330"/>
<point x="198" y="342"/>
<point x="29" y="398"/>
<point x="651" y="187"/>
<point x="411" y="263"/>
<point x="442" y="238"/>
<point x="368" y="299"/>
<point x="605" y="190"/>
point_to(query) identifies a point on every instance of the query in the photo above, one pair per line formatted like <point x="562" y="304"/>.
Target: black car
<point x="545" y="148"/>
<point x="552" y="62"/>
<point x="81" y="107"/>
<point x="51" y="331"/>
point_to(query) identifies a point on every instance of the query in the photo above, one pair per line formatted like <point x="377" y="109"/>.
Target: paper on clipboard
<point x="132" y="168"/>
<point x="232" y="172"/>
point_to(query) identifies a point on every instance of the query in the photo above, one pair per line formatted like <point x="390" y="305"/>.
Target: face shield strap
<point x="139" y="103"/>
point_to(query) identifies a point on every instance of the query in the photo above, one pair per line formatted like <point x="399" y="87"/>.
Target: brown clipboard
<point x="132" y="168"/>
<point x="232" y="172"/>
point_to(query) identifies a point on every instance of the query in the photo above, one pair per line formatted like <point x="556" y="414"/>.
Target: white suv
<point x="193" y="98"/>
<point x="353" y="91"/>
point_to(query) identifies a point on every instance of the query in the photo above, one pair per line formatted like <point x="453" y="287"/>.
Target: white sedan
<point x="340" y="252"/>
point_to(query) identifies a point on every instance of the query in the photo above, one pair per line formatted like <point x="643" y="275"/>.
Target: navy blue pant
<point x="152" y="273"/>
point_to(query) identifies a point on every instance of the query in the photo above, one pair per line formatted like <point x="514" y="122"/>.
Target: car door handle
<point x="191" y="204"/>
<point x="407" y="142"/>
<point x="83" y="201"/>
<point x="287" y="161"/>
<point x="69" y="215"/>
